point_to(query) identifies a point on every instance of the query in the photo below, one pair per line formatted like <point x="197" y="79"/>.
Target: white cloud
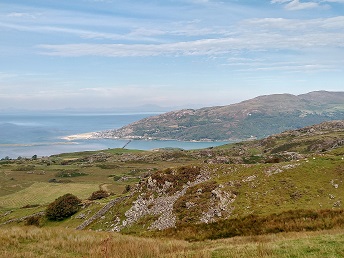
<point x="297" y="5"/>
<point x="293" y="5"/>
<point x="250" y="35"/>
<point x="21" y="15"/>
<point x="290" y="67"/>
<point x="295" y="26"/>
<point x="87" y="34"/>
<point x="334" y="1"/>
<point x="279" y="1"/>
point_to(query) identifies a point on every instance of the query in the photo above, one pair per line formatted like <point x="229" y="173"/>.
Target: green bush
<point x="63" y="207"/>
<point x="71" y="173"/>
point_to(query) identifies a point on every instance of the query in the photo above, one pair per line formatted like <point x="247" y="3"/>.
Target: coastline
<point x="82" y="136"/>
<point x="98" y="136"/>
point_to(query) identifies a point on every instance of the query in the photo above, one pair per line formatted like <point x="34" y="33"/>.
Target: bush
<point x="98" y="195"/>
<point x="63" y="207"/>
<point x="33" y="221"/>
<point x="24" y="168"/>
<point x="71" y="173"/>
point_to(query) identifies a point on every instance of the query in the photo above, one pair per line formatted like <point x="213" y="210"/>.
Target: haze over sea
<point x="28" y="134"/>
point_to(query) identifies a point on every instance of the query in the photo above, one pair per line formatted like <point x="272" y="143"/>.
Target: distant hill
<point x="255" y="118"/>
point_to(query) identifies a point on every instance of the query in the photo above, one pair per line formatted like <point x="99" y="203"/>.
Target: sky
<point x="112" y="54"/>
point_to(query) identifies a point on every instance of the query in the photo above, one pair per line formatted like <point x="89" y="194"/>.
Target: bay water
<point x="28" y="134"/>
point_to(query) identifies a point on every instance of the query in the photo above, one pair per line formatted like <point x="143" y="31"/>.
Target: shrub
<point x="98" y="195"/>
<point x="24" y="168"/>
<point x="33" y="221"/>
<point x="71" y="173"/>
<point x="116" y="178"/>
<point x="63" y="207"/>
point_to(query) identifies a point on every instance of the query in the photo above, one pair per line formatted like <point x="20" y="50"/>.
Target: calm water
<point x="40" y="134"/>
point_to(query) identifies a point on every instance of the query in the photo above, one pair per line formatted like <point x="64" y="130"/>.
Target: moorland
<point x="280" y="196"/>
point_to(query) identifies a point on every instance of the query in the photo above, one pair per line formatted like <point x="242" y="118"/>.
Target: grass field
<point x="44" y="193"/>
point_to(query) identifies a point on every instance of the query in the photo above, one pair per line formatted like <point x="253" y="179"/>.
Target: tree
<point x="63" y="207"/>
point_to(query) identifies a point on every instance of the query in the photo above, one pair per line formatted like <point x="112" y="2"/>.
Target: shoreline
<point x="82" y="136"/>
<point x="95" y="136"/>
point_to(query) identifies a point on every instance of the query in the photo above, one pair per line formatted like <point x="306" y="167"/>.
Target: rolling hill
<point x="286" y="182"/>
<point x="254" y="118"/>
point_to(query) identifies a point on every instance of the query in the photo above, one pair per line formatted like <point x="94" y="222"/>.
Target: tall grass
<point x="293" y="244"/>
<point x="55" y="242"/>
<point x="61" y="242"/>
<point x="289" y="221"/>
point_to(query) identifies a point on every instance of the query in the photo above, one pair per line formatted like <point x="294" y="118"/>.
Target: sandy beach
<point x="82" y="136"/>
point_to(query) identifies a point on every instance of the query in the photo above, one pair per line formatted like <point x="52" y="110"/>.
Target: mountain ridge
<point x="254" y="118"/>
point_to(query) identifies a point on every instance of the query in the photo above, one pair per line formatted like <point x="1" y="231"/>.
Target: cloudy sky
<point x="108" y="54"/>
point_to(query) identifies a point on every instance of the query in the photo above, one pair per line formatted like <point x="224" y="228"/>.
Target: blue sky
<point x="108" y="54"/>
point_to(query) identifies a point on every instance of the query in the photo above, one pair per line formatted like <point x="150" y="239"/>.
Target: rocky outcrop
<point x="100" y="213"/>
<point x="160" y="205"/>
<point x="220" y="202"/>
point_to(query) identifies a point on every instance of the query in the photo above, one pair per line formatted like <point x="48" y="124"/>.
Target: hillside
<point x="258" y="117"/>
<point x="277" y="175"/>
<point x="246" y="188"/>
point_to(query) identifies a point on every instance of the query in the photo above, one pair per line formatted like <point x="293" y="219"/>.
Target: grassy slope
<point x="263" y="189"/>
<point x="45" y="193"/>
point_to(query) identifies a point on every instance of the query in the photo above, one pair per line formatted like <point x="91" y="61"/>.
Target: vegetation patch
<point x="97" y="195"/>
<point x="33" y="221"/>
<point x="107" y="166"/>
<point x="70" y="173"/>
<point x="24" y="168"/>
<point x="290" y="221"/>
<point x="178" y="177"/>
<point x="189" y="208"/>
<point x="63" y="207"/>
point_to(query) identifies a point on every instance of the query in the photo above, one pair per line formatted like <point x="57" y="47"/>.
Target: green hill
<point x="300" y="169"/>
<point x="258" y="117"/>
<point x="286" y="182"/>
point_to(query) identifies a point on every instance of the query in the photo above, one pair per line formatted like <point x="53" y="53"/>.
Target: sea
<point x="29" y="134"/>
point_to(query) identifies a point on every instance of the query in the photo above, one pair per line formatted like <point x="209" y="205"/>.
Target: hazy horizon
<point x="144" y="109"/>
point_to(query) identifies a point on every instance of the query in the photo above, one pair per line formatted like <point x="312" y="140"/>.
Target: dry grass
<point x="290" y="221"/>
<point x="38" y="242"/>
<point x="327" y="243"/>
<point x="61" y="242"/>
